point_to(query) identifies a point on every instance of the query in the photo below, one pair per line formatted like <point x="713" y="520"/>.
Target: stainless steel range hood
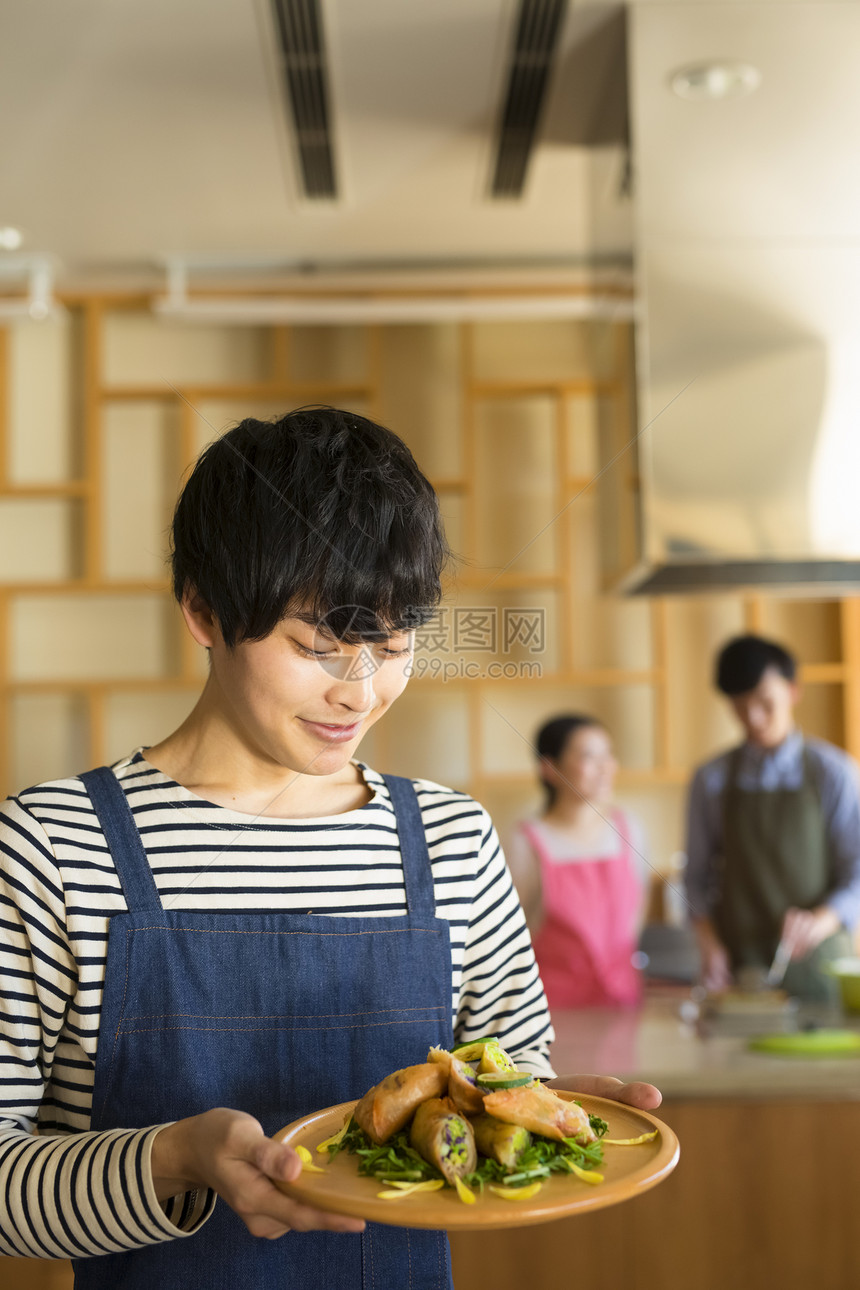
<point x="748" y="346"/>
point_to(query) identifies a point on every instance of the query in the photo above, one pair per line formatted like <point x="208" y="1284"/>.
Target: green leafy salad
<point x="397" y="1161"/>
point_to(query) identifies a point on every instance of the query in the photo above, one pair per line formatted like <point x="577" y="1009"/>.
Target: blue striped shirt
<point x="58" y="889"/>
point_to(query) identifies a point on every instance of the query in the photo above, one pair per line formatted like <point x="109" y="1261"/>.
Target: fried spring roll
<point x="463" y="1088"/>
<point x="500" y="1141"/>
<point x="541" y="1110"/>
<point x="389" y="1105"/>
<point x="444" y="1138"/>
<point x="440" y="1055"/>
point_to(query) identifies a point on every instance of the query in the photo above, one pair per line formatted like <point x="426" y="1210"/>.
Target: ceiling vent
<point x="537" y="31"/>
<point x="303" y="57"/>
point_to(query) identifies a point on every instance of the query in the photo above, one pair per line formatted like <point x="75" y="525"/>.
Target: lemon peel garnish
<point x="407" y="1189"/>
<point x="517" y="1193"/>
<point x="630" y="1142"/>
<point x="587" y="1175"/>
<point x="467" y="1196"/>
<point x="307" y="1161"/>
<point x="335" y="1138"/>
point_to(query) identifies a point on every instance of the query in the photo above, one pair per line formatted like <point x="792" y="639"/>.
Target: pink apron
<point x="588" y="936"/>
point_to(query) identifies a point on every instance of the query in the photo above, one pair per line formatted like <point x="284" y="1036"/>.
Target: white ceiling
<point x="138" y="128"/>
<point x="141" y="128"/>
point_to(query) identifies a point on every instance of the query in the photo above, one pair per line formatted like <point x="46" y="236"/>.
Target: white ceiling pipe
<point x="418" y="309"/>
<point x="39" y="303"/>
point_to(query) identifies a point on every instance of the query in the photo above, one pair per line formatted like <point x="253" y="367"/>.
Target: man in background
<point x="773" y="836"/>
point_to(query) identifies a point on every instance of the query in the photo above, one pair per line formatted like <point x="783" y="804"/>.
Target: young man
<point x="773" y="835"/>
<point x="243" y="924"/>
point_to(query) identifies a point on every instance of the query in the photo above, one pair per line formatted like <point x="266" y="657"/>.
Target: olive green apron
<point x="775" y="856"/>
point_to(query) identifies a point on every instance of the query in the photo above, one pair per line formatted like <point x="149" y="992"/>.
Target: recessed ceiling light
<point x="10" y="239"/>
<point x="715" y="80"/>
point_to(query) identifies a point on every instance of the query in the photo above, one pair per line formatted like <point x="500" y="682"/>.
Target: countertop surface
<point x="664" y="1043"/>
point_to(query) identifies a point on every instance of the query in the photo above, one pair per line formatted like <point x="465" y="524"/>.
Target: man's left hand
<point x="645" y="1097"/>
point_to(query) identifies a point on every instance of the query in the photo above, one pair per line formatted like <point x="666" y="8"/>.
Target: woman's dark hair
<point x="322" y="513"/>
<point x="552" y="740"/>
<point x="742" y="663"/>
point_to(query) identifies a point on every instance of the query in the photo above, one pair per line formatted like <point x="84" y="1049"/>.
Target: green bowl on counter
<point x="809" y="1043"/>
<point x="847" y="973"/>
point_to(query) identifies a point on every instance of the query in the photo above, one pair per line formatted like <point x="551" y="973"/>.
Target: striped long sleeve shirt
<point x="70" y="1192"/>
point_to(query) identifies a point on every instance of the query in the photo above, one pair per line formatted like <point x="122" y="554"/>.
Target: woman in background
<point x="579" y="872"/>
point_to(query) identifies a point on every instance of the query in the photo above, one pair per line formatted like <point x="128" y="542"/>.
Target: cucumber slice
<point x="493" y="1080"/>
<point x="473" y="1050"/>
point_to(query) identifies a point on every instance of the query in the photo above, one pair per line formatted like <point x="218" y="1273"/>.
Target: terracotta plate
<point x="627" y="1172"/>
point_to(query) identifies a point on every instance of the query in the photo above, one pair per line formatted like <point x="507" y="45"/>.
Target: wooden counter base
<point x="765" y="1196"/>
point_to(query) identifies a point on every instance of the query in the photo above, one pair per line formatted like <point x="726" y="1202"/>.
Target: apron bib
<point x="775" y="856"/>
<point x="584" y="947"/>
<point x="277" y="1015"/>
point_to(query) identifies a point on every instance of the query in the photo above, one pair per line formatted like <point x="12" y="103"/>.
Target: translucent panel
<point x="43" y="444"/>
<point x="607" y="630"/>
<point x="340" y="354"/>
<point x="137" y="719"/>
<point x="582" y="413"/>
<point x="453" y="507"/>
<point x="516" y="493"/>
<point x="420" y="396"/>
<point x="142" y="349"/>
<point x="810" y="629"/>
<point x="98" y="636"/>
<point x="475" y="633"/>
<point x="700" y="720"/>
<point x="427" y="735"/>
<point x="141" y="481"/>
<point x="214" y="417"/>
<point x="49" y="738"/>
<point x="40" y="539"/>
<point x="554" y="350"/>
<point x="821" y="712"/>
<point x="508" y="804"/>
<point x="611" y="632"/>
<point x="660" y="810"/>
<point x="610" y="348"/>
<point x="512" y="716"/>
<point x="581" y="520"/>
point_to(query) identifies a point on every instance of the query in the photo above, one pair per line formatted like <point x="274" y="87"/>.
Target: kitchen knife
<point x="779" y="966"/>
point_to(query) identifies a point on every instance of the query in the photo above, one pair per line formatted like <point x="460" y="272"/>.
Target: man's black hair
<point x="321" y="512"/>
<point x="742" y="663"/>
<point x="552" y="739"/>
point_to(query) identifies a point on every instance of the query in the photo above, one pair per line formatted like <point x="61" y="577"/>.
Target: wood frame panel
<point x="92" y="311"/>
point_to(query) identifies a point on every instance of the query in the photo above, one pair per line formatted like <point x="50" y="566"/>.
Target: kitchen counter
<point x="689" y="1059"/>
<point x="765" y="1192"/>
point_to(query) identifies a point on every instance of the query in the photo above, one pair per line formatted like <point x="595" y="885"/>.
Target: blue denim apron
<point x="277" y="1015"/>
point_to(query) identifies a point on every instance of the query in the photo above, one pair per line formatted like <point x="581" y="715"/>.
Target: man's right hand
<point x="228" y="1152"/>
<point x="716" y="972"/>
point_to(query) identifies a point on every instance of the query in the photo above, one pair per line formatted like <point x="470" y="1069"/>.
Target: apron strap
<point x="124" y="842"/>
<point x="417" y="873"/>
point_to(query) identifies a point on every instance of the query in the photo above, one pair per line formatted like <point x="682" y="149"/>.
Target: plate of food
<point x="465" y="1141"/>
